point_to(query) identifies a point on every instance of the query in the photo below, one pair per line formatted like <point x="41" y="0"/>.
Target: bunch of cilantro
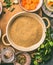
<point x="44" y="52"/>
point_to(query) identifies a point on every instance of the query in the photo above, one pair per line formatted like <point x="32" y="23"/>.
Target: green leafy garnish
<point x="36" y="63"/>
<point x="8" y="3"/>
<point x="43" y="53"/>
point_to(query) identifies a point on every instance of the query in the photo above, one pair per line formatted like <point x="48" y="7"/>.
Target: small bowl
<point x="27" y="58"/>
<point x="50" y="8"/>
<point x="6" y="50"/>
<point x="0" y="7"/>
<point x="37" y="8"/>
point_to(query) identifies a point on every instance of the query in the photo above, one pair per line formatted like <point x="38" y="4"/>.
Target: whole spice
<point x="23" y="58"/>
<point x="11" y="9"/>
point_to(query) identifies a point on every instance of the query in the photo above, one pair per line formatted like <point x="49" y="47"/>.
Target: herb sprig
<point x="44" y="52"/>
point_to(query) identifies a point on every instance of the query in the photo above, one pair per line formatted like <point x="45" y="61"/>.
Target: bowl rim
<point x="38" y="7"/>
<point x="33" y="47"/>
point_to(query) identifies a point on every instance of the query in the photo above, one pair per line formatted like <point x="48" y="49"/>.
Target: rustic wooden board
<point x="4" y="18"/>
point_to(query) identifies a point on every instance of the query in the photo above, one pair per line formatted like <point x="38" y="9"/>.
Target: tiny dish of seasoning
<point x="23" y="58"/>
<point x="7" y="55"/>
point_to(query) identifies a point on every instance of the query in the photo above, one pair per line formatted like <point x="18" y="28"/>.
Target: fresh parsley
<point x="43" y="53"/>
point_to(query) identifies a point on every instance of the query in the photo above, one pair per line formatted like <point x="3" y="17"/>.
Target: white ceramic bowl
<point x="4" y="51"/>
<point x="38" y="7"/>
<point x="33" y="47"/>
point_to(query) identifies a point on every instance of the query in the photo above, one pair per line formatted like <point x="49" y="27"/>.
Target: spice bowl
<point x="30" y="5"/>
<point x="7" y="55"/>
<point x="49" y="5"/>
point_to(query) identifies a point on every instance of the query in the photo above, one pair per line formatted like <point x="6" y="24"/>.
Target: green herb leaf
<point x="51" y="43"/>
<point x="36" y="63"/>
<point x="8" y="3"/>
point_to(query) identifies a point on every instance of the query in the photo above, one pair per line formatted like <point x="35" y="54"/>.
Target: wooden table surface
<point x="4" y="18"/>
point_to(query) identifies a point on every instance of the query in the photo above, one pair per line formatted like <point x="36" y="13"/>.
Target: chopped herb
<point x="8" y="3"/>
<point x="36" y="63"/>
<point x="11" y="9"/>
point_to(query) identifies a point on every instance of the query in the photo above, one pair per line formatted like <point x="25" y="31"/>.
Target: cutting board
<point x="4" y="17"/>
